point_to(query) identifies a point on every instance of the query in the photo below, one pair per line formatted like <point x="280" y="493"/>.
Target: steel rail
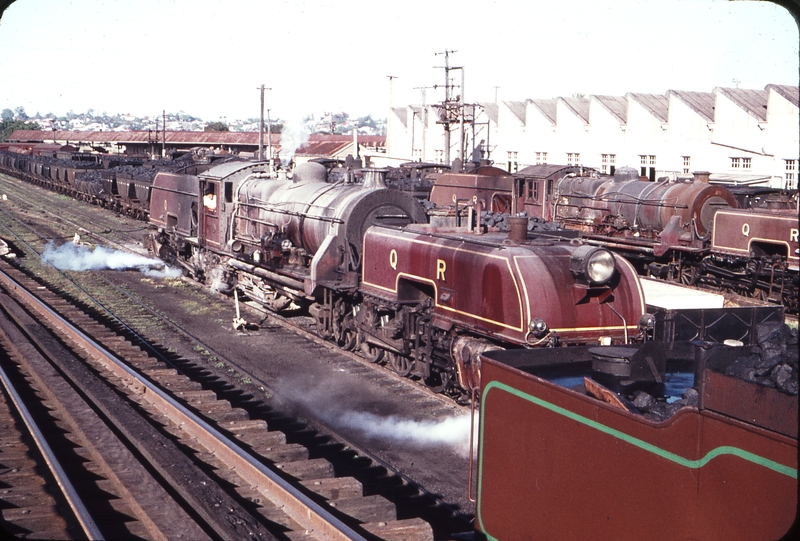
<point x="74" y="501"/>
<point x="310" y="515"/>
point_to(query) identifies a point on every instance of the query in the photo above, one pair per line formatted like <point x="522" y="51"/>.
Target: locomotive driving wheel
<point x="400" y="363"/>
<point x="372" y="353"/>
<point x="347" y="335"/>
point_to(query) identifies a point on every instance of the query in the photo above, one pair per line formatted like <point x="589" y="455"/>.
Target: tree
<point x="7" y="115"/>
<point x="20" y="112"/>
<point x="7" y="127"/>
<point x="216" y="126"/>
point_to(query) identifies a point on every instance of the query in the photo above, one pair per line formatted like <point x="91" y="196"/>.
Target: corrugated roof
<point x="178" y="137"/>
<point x="754" y="102"/>
<point x="656" y="104"/>
<point x="518" y="108"/>
<point x="490" y="109"/>
<point x="579" y="106"/>
<point x="616" y="105"/>
<point x="791" y="93"/>
<point x="547" y="108"/>
<point x="701" y="103"/>
<point x="323" y="148"/>
<point x="402" y="114"/>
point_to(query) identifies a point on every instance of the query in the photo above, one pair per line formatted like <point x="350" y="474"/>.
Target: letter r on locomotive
<point x="441" y="267"/>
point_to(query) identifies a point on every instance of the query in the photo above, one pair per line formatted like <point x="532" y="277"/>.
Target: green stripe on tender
<point x="723" y="450"/>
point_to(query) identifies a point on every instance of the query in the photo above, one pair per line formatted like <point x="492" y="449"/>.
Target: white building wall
<point x="647" y="136"/>
<point x="606" y="136"/>
<point x="689" y="135"/>
<point x="571" y="136"/>
<point x="540" y="137"/>
<point x="510" y="138"/>
<point x="710" y="145"/>
<point x="737" y="135"/>
<point x="782" y="140"/>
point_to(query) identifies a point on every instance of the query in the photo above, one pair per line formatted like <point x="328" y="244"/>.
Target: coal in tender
<point x="773" y="362"/>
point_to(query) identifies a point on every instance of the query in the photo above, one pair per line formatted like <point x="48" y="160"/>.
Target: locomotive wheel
<point x="400" y="363"/>
<point x="373" y="354"/>
<point x="348" y="341"/>
<point x="689" y="277"/>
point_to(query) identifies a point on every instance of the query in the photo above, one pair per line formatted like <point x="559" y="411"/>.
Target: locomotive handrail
<point x="273" y="208"/>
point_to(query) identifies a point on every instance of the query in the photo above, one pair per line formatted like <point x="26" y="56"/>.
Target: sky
<point x="207" y="58"/>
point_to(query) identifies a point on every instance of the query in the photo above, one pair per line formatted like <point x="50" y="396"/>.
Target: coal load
<point x="499" y="220"/>
<point x="773" y="361"/>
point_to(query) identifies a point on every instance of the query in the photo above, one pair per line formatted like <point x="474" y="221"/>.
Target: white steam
<point x="451" y="432"/>
<point x="293" y="135"/>
<point x="79" y="257"/>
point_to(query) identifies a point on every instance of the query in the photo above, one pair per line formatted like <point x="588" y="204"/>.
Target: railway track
<point x="193" y="442"/>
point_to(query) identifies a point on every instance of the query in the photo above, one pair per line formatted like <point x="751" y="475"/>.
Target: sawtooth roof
<point x="616" y="105"/>
<point x="754" y="102"/>
<point x="656" y="104"/>
<point x="547" y="108"/>
<point x="518" y="108"/>
<point x="791" y="93"/>
<point x="579" y="106"/>
<point x="701" y="103"/>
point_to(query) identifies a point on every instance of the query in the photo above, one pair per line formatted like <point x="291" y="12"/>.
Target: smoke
<point x="450" y="432"/>
<point x="293" y="135"/>
<point x="79" y="257"/>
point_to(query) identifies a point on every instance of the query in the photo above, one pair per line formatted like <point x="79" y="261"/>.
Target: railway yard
<point x="302" y="410"/>
<point x="139" y="404"/>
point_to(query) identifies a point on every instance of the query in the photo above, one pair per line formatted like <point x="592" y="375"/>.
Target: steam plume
<point x="79" y="257"/>
<point x="293" y="135"/>
<point x="450" y="432"/>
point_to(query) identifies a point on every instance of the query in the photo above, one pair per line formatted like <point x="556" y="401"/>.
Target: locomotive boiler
<point x="288" y="237"/>
<point x="677" y="214"/>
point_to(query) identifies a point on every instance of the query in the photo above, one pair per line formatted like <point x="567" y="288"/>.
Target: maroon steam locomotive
<point x="359" y="257"/>
<point x="670" y="229"/>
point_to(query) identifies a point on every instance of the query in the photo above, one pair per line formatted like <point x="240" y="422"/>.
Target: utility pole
<point x="450" y="113"/>
<point x="269" y="145"/>
<point x="424" y="120"/>
<point x="389" y="118"/>
<point x="495" y="93"/>
<point x="261" y="127"/>
<point x="164" y="134"/>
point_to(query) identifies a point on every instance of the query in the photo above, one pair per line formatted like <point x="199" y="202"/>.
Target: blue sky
<point x="207" y="58"/>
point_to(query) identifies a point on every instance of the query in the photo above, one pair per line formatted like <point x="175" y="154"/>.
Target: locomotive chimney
<point x="375" y="178"/>
<point x="701" y="176"/>
<point x="518" y="229"/>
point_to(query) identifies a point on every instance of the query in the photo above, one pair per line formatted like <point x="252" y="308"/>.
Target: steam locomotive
<point x="670" y="229"/>
<point x="685" y="230"/>
<point x="376" y="277"/>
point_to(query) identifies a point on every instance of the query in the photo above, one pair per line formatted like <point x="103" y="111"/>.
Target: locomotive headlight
<point x="286" y="245"/>
<point x="538" y="327"/>
<point x="593" y="264"/>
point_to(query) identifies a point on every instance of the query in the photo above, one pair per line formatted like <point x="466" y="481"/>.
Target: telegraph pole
<point x="424" y="119"/>
<point x="261" y="128"/>
<point x="164" y="134"/>
<point x="389" y="118"/>
<point x="450" y="113"/>
<point x="269" y="144"/>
